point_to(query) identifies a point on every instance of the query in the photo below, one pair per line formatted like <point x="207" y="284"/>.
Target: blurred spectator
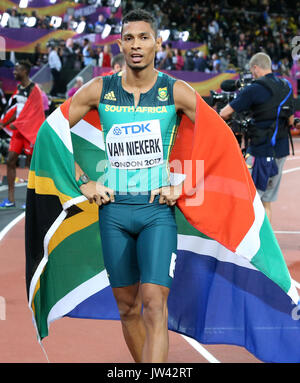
<point x="100" y="23"/>
<point x="78" y="84"/>
<point x="68" y="55"/>
<point x="105" y="57"/>
<point x="71" y="23"/>
<point x="167" y="61"/>
<point x="118" y="63"/>
<point x="285" y="67"/>
<point x="295" y="70"/>
<point x="200" y="62"/>
<point x="224" y="62"/>
<point x="160" y="55"/>
<point x="3" y="101"/>
<point x="213" y="27"/>
<point x="216" y="63"/>
<point x="13" y="21"/>
<point x="179" y="61"/>
<point x="87" y="53"/>
<point x="189" y="61"/>
<point x="55" y="67"/>
<point x="45" y="100"/>
<point x="37" y="57"/>
<point x="276" y="67"/>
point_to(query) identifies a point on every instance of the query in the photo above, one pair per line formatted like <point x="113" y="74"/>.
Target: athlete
<point x="21" y="120"/>
<point x="139" y="111"/>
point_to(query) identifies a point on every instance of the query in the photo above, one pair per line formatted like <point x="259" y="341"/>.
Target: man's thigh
<point x="271" y="193"/>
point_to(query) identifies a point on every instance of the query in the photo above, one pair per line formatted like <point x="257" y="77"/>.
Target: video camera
<point x="242" y="122"/>
<point x="229" y="89"/>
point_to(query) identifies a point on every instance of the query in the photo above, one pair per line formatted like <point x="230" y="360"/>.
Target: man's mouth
<point x="136" y="57"/>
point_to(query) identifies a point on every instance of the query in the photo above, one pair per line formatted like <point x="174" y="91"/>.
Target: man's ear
<point x="119" y="41"/>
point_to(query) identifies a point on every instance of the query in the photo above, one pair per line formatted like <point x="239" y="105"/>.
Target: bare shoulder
<point x="185" y="98"/>
<point x="90" y="92"/>
<point x="85" y="99"/>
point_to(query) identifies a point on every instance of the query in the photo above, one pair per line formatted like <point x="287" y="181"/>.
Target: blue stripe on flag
<point x="218" y="302"/>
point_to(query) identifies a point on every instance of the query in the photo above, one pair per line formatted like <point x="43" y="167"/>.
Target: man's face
<point x="139" y="44"/>
<point x="19" y="72"/>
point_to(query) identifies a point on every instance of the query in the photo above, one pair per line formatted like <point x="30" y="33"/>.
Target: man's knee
<point x="12" y="159"/>
<point x="155" y="305"/>
<point x="129" y="309"/>
<point x="129" y="302"/>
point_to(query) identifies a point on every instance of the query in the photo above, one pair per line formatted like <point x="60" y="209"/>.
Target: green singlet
<point x="138" y="140"/>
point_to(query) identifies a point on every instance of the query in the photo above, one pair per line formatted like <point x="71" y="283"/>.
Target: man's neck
<point x="25" y="82"/>
<point x="141" y="80"/>
<point x="264" y="73"/>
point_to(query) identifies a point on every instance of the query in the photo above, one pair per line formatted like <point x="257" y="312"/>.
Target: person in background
<point x="269" y="133"/>
<point x="78" y="84"/>
<point x="105" y="57"/>
<point x="179" y="59"/>
<point x="200" y="62"/>
<point x="117" y="63"/>
<point x="87" y="52"/>
<point x="2" y="99"/>
<point x="22" y="119"/>
<point x="55" y="67"/>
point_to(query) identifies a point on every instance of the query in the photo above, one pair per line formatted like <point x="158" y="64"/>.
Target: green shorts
<point x="139" y="240"/>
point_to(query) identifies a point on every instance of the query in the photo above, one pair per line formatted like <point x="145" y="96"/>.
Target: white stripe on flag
<point x="61" y="127"/>
<point x="214" y="249"/>
<point x="78" y="295"/>
<point x="250" y="244"/>
<point x="211" y="248"/>
<point x="88" y="132"/>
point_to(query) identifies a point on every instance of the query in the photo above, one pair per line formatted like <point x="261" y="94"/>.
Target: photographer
<point x="270" y="101"/>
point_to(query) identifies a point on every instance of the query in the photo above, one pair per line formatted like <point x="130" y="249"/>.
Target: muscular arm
<point x="84" y="100"/>
<point x="185" y="99"/>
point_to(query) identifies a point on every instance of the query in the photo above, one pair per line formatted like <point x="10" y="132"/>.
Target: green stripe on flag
<point x="269" y="258"/>
<point x="58" y="166"/>
<point x="184" y="227"/>
<point x="88" y="156"/>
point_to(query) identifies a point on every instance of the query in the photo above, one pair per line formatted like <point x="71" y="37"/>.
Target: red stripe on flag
<point x="65" y="108"/>
<point x="93" y="118"/>
<point x="225" y="212"/>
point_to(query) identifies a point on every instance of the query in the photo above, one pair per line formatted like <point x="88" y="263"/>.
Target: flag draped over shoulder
<point x="28" y="117"/>
<point x="231" y="283"/>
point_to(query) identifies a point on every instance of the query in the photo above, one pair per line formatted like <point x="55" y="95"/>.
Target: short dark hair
<point x="26" y="65"/>
<point x="140" y="15"/>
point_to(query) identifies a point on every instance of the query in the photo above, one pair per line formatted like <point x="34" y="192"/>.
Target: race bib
<point x="135" y="145"/>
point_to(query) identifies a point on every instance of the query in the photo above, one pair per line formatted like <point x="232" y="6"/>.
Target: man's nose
<point x="135" y="44"/>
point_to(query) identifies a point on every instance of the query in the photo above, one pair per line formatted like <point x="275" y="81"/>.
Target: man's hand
<point x="226" y="112"/>
<point x="96" y="192"/>
<point x="167" y="194"/>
